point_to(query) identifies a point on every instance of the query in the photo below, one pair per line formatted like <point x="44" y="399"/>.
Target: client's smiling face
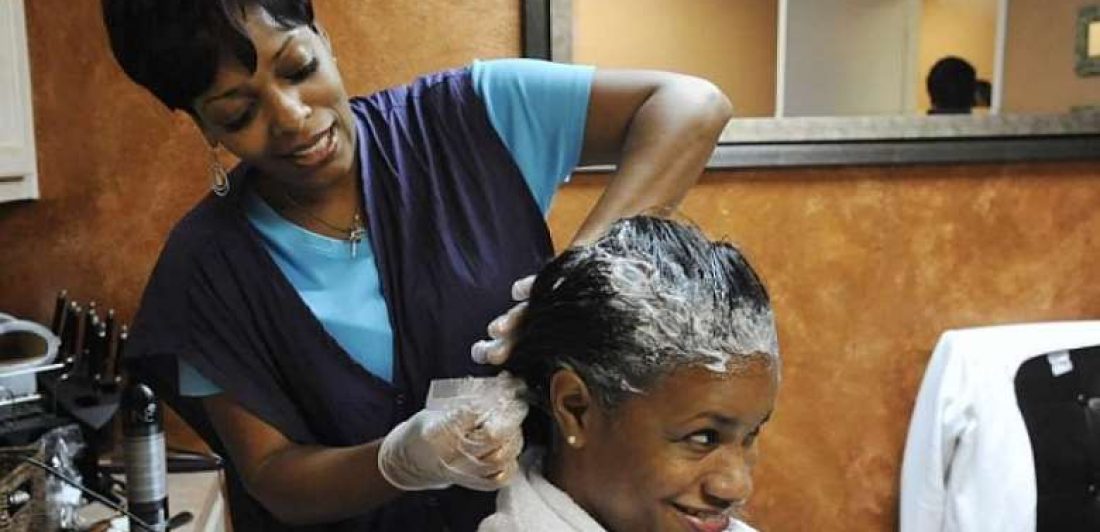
<point x="678" y="457"/>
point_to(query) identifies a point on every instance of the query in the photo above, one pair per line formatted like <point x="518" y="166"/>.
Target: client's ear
<point x="571" y="405"/>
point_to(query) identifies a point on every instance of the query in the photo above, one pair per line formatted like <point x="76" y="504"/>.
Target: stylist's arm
<point x="658" y="129"/>
<point x="302" y="484"/>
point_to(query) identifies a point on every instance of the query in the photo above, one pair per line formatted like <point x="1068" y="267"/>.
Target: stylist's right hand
<point x="497" y="350"/>
<point x="435" y="449"/>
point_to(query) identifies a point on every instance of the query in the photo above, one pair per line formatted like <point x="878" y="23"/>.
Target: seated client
<point x="651" y="360"/>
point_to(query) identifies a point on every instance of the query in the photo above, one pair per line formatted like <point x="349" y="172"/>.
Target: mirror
<point x="1093" y="45"/>
<point x="798" y="57"/>
<point x="1088" y="41"/>
<point x="805" y="72"/>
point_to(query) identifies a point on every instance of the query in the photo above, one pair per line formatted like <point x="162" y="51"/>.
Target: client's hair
<point x="651" y="296"/>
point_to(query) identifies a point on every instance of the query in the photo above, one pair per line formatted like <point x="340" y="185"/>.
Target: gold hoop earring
<point x="220" y="184"/>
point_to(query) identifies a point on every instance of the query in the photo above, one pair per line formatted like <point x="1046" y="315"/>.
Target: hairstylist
<point x="297" y="314"/>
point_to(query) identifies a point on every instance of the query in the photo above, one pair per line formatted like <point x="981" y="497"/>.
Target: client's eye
<point x="703" y="438"/>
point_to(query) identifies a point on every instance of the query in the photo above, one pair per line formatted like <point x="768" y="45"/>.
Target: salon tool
<point x="97" y="353"/>
<point x="25" y="347"/>
<point x="75" y="390"/>
<point x="484" y="392"/>
<point x="111" y="377"/>
<point x="136" y="522"/>
<point x="83" y="365"/>
<point x="84" y="390"/>
<point x="59" y="310"/>
<point x="102" y="372"/>
<point x="70" y="333"/>
<point x="476" y="417"/>
<point x="88" y="390"/>
<point x="144" y="451"/>
<point x="178" y="461"/>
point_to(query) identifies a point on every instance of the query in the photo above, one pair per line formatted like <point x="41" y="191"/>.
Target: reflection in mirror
<point x="1088" y="41"/>
<point x="731" y="44"/>
<point x="797" y="58"/>
<point x="1093" y="40"/>
<point x="847" y="81"/>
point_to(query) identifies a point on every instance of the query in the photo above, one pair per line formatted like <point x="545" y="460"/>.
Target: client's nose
<point x="730" y="479"/>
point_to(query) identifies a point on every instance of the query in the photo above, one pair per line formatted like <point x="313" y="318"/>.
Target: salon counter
<point x="198" y="493"/>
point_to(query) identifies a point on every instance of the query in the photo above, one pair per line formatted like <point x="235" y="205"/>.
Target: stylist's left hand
<point x="474" y="444"/>
<point x="498" y="348"/>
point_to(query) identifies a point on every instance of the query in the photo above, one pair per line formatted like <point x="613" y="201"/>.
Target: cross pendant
<point x="354" y="237"/>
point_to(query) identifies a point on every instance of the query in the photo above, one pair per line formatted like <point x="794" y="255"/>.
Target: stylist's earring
<point x="220" y="184"/>
<point x="571" y="440"/>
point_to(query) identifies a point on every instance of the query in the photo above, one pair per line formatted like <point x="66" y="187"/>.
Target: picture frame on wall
<point x="1088" y="41"/>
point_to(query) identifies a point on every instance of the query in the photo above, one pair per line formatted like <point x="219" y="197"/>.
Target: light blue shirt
<point x="538" y="109"/>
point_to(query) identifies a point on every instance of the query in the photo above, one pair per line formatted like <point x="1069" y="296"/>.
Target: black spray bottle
<point x="144" y="454"/>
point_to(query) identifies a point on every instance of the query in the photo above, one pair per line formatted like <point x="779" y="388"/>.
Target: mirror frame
<point x="838" y="141"/>
<point x="1086" y="65"/>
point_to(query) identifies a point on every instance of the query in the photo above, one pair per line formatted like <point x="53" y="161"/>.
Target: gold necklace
<point x="356" y="232"/>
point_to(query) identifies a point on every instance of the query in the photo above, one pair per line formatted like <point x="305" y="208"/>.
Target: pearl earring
<point x="572" y="441"/>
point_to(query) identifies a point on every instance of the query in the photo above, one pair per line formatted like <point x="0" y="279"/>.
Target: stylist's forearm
<point x="309" y="485"/>
<point x="664" y="151"/>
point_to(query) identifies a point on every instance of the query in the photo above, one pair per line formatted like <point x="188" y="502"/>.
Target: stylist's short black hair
<point x="172" y="47"/>
<point x="952" y="84"/>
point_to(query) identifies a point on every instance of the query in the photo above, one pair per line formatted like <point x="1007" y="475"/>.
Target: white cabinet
<point x="18" y="171"/>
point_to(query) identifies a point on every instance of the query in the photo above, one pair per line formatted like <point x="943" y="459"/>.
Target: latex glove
<point x="499" y="347"/>
<point x="473" y="444"/>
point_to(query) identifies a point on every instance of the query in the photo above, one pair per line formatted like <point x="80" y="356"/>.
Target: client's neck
<point x="564" y="468"/>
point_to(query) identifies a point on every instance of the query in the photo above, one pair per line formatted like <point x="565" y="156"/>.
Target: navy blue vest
<point x="452" y="224"/>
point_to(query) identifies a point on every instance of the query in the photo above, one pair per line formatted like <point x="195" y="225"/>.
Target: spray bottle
<point x="144" y="455"/>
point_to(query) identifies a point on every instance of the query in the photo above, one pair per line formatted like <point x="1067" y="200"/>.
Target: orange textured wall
<point x="867" y="265"/>
<point x="1039" y="58"/>
<point x="732" y="44"/>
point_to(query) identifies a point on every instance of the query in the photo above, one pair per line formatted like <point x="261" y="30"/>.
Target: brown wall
<point x="866" y="265"/>
<point x="733" y="46"/>
<point x="1039" y="58"/>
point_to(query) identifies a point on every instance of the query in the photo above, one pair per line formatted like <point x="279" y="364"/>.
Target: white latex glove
<point x="497" y="350"/>
<point x="474" y="444"/>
